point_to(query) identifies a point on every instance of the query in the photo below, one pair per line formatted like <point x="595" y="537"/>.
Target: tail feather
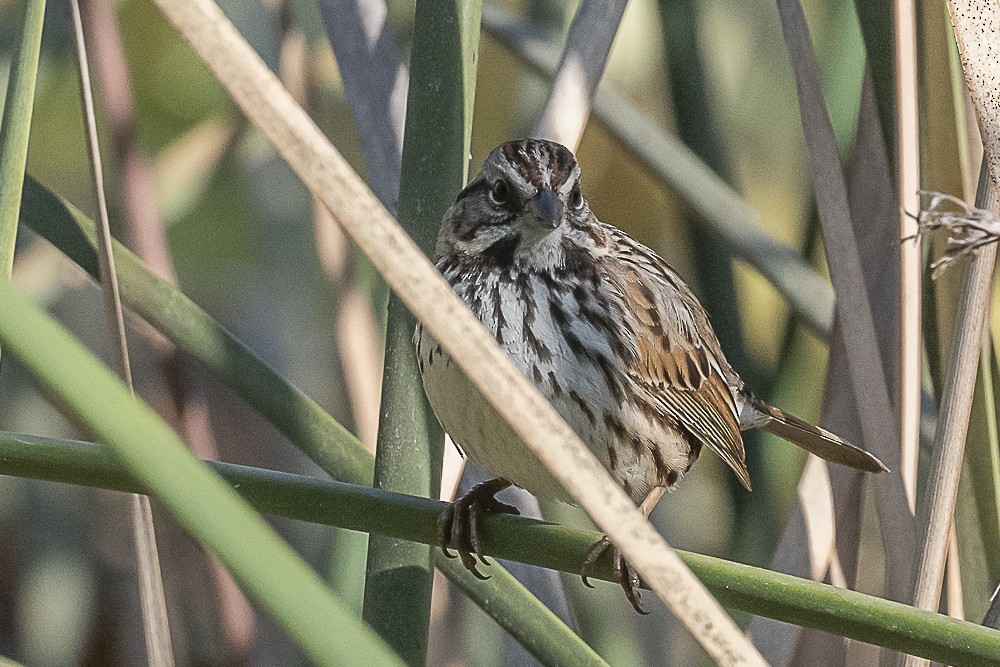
<point x="814" y="439"/>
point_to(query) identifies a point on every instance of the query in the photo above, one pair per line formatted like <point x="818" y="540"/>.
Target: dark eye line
<point x="473" y="188"/>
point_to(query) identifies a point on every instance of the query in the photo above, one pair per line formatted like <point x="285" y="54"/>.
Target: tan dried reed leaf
<point x="425" y="292"/>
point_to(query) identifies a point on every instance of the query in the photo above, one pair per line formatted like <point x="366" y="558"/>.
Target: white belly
<point x="576" y="387"/>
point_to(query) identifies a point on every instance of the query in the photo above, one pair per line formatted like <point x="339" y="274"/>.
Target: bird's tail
<point x="814" y="439"/>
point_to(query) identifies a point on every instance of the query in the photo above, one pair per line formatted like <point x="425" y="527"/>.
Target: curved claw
<point x="630" y="582"/>
<point x="459" y="525"/>
<point x="625" y="573"/>
<point x="593" y="553"/>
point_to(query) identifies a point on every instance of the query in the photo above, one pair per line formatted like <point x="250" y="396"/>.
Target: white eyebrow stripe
<point x="571" y="180"/>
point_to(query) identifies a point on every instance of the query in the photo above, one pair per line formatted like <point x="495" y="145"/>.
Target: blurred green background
<point x="243" y="241"/>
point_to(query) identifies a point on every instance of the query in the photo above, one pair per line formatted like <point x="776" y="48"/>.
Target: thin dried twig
<point x="154" y="607"/>
<point x="969" y="227"/>
<point x="421" y="287"/>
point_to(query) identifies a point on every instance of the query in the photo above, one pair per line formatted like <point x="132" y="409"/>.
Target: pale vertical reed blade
<point x="854" y="305"/>
<point x="375" y="84"/>
<point x="588" y="45"/>
<point x="154" y="608"/>
<point x="955" y="606"/>
<point x="992" y="617"/>
<point x="413" y="277"/>
<point x="910" y="269"/>
<point x="806" y="547"/>
<point x="953" y="418"/>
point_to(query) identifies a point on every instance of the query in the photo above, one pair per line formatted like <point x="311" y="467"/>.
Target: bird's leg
<point x="459" y="523"/>
<point x="624" y="573"/>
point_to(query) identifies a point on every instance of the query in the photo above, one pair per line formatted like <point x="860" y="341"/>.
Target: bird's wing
<point x="678" y="362"/>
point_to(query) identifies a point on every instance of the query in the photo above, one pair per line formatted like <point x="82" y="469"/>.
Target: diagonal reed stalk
<point x="299" y="418"/>
<point x="953" y="420"/>
<point x="421" y="287"/>
<point x="156" y="625"/>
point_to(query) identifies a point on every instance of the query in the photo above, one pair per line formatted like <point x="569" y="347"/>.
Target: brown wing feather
<point x="678" y="361"/>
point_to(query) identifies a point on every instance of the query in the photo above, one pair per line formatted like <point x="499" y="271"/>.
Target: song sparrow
<point x="607" y="331"/>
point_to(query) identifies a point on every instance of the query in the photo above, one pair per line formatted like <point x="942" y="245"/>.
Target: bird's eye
<point x="576" y="198"/>
<point x="500" y="193"/>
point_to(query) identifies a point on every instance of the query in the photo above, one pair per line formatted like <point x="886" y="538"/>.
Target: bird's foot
<point x="459" y="525"/>
<point x="625" y="574"/>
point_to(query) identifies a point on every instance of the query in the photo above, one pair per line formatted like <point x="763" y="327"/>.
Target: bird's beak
<point x="546" y="209"/>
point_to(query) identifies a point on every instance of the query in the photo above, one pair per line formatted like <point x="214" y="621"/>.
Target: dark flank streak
<point x="611" y="379"/>
<point x="559" y="316"/>
<point x="582" y="405"/>
<point x="498" y="315"/>
<point x="537" y="346"/>
<point x="556" y="387"/>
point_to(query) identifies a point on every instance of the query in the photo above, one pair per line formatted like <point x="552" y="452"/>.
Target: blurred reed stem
<point x="152" y="598"/>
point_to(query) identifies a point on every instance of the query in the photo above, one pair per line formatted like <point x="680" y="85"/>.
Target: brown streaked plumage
<point x="609" y="334"/>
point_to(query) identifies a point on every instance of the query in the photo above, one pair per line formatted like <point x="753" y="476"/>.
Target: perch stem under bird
<point x="609" y="333"/>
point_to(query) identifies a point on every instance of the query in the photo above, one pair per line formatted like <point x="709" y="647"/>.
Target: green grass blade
<point x="297" y="416"/>
<point x="408" y="459"/>
<point x="791" y="599"/>
<point x="191" y="329"/>
<point x="16" y="126"/>
<point x="208" y="508"/>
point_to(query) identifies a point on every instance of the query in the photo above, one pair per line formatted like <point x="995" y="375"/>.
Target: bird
<point x="609" y="334"/>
